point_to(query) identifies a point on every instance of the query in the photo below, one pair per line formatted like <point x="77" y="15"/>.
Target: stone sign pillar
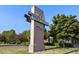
<point x="37" y="37"/>
<point x="36" y="18"/>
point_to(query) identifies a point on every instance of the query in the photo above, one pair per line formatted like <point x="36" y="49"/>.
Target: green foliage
<point x="65" y="28"/>
<point x="46" y="34"/>
<point x="26" y="35"/>
<point x="10" y="37"/>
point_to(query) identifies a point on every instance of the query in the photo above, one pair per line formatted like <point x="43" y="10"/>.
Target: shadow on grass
<point x="71" y="51"/>
<point x="52" y="48"/>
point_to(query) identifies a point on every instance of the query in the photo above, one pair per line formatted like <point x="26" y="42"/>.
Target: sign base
<point x="33" y="49"/>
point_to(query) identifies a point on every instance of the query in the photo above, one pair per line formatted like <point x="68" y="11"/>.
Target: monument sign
<point x="36" y="18"/>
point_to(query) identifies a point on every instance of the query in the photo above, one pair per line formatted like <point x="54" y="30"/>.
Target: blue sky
<point x="12" y="16"/>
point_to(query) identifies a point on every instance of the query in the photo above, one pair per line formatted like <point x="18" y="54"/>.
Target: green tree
<point x="10" y="36"/>
<point x="64" y="29"/>
<point x="2" y="39"/>
<point x="26" y="35"/>
<point x="46" y="34"/>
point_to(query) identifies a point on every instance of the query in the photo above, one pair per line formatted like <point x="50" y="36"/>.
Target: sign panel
<point x="38" y="12"/>
<point x="38" y="15"/>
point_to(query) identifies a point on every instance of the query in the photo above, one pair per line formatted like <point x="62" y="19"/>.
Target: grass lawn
<point x="13" y="50"/>
<point x="48" y="50"/>
<point x="56" y="50"/>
